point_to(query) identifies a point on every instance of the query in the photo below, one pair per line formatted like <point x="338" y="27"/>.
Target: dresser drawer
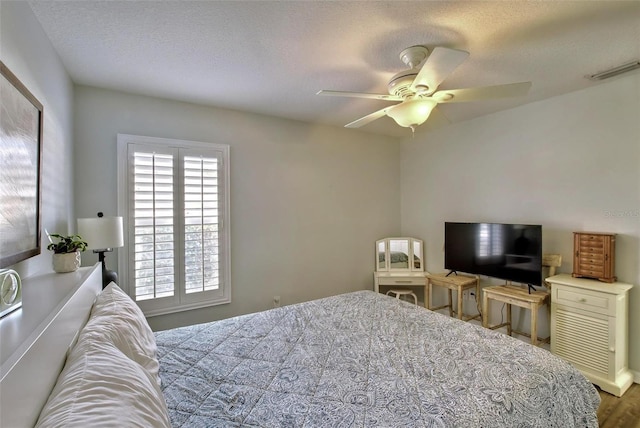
<point x="585" y="300"/>
<point x="591" y="271"/>
<point x="590" y="258"/>
<point x="591" y="240"/>
<point x="398" y="280"/>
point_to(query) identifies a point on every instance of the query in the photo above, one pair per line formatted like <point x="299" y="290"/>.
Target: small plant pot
<point x="66" y="262"/>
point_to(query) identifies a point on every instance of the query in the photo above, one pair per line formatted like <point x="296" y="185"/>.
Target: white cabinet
<point x="55" y="307"/>
<point x="589" y="328"/>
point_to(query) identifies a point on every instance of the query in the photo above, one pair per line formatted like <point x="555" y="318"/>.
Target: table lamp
<point x="102" y="235"/>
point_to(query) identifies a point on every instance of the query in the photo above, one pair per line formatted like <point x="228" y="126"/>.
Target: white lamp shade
<point x="412" y="113"/>
<point x="101" y="232"/>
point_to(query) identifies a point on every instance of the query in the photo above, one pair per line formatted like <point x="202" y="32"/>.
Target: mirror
<point x="399" y="254"/>
<point x="417" y="254"/>
<point x="381" y="255"/>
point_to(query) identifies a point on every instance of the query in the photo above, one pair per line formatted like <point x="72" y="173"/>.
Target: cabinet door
<point x="584" y="339"/>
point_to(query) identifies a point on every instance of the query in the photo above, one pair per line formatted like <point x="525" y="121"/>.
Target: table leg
<point x="534" y="325"/>
<point x="450" y="303"/>
<point x="509" y="319"/>
<point x="485" y="310"/>
<point x="427" y="294"/>
<point x="460" y="303"/>
<point x="478" y="297"/>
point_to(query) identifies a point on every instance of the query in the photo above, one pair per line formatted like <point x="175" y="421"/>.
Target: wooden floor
<point x="620" y="412"/>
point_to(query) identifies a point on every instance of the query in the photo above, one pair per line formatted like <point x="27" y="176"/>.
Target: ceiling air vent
<point x="616" y="71"/>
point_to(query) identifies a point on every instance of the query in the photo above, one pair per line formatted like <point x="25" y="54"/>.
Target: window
<point x="173" y="196"/>
<point x="489" y="241"/>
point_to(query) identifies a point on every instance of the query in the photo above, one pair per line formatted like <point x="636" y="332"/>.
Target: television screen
<point x="512" y="252"/>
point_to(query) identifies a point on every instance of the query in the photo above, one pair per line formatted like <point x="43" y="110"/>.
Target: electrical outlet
<point x="276" y="301"/>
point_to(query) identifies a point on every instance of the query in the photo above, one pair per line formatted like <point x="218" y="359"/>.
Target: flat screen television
<point x="512" y="252"/>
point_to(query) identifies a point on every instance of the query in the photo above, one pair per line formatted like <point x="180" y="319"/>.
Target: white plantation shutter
<point x="173" y="196"/>
<point x="201" y="223"/>
<point x="153" y="225"/>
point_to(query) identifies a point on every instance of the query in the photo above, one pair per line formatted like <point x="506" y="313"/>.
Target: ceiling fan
<point x="416" y="88"/>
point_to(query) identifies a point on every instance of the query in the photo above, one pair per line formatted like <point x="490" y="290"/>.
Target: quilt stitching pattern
<point x="364" y="360"/>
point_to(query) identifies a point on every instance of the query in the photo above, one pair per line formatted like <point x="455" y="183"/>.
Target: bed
<point x="364" y="360"/>
<point x="355" y="360"/>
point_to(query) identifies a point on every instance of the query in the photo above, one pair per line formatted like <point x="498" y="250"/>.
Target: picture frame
<point x="21" y="135"/>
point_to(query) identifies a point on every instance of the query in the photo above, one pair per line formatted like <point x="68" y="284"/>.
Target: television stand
<point x="452" y="272"/>
<point x="457" y="283"/>
<point x="514" y="295"/>
<point x="530" y="288"/>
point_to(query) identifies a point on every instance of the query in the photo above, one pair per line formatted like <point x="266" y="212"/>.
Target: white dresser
<point x="589" y="328"/>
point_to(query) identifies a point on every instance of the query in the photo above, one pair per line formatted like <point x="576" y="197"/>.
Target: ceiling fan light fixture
<point x="412" y="113"/>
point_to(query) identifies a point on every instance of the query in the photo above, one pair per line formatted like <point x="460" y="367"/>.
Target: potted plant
<point x="66" y="252"/>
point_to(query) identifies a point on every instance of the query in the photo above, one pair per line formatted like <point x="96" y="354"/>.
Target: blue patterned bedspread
<point x="364" y="360"/>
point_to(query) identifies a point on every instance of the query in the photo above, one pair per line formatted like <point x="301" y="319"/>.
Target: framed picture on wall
<point x="20" y="172"/>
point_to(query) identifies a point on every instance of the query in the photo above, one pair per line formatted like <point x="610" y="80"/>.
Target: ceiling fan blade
<point x="440" y="64"/>
<point x="482" y="93"/>
<point x="367" y="119"/>
<point x="384" y="97"/>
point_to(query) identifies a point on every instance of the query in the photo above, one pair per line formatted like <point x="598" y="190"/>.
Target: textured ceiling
<point x="272" y="57"/>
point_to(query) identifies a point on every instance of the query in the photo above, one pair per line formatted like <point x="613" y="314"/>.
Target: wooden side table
<point x="453" y="282"/>
<point x="519" y="296"/>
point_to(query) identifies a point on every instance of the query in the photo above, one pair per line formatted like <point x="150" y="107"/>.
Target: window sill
<point x="185" y="307"/>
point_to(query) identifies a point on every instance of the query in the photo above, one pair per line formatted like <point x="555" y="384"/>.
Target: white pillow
<point x="118" y="319"/>
<point x="101" y="387"/>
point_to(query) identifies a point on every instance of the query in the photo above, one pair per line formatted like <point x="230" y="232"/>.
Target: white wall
<point x="307" y="202"/>
<point x="570" y="163"/>
<point x="320" y="196"/>
<point x="27" y="52"/>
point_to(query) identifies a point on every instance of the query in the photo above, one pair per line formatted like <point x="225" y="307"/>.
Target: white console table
<point x="589" y="328"/>
<point x="49" y="302"/>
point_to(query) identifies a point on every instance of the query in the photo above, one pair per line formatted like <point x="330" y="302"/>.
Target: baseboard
<point x="636" y="376"/>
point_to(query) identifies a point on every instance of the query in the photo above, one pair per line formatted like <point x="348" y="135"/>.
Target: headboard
<point x="35" y="339"/>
